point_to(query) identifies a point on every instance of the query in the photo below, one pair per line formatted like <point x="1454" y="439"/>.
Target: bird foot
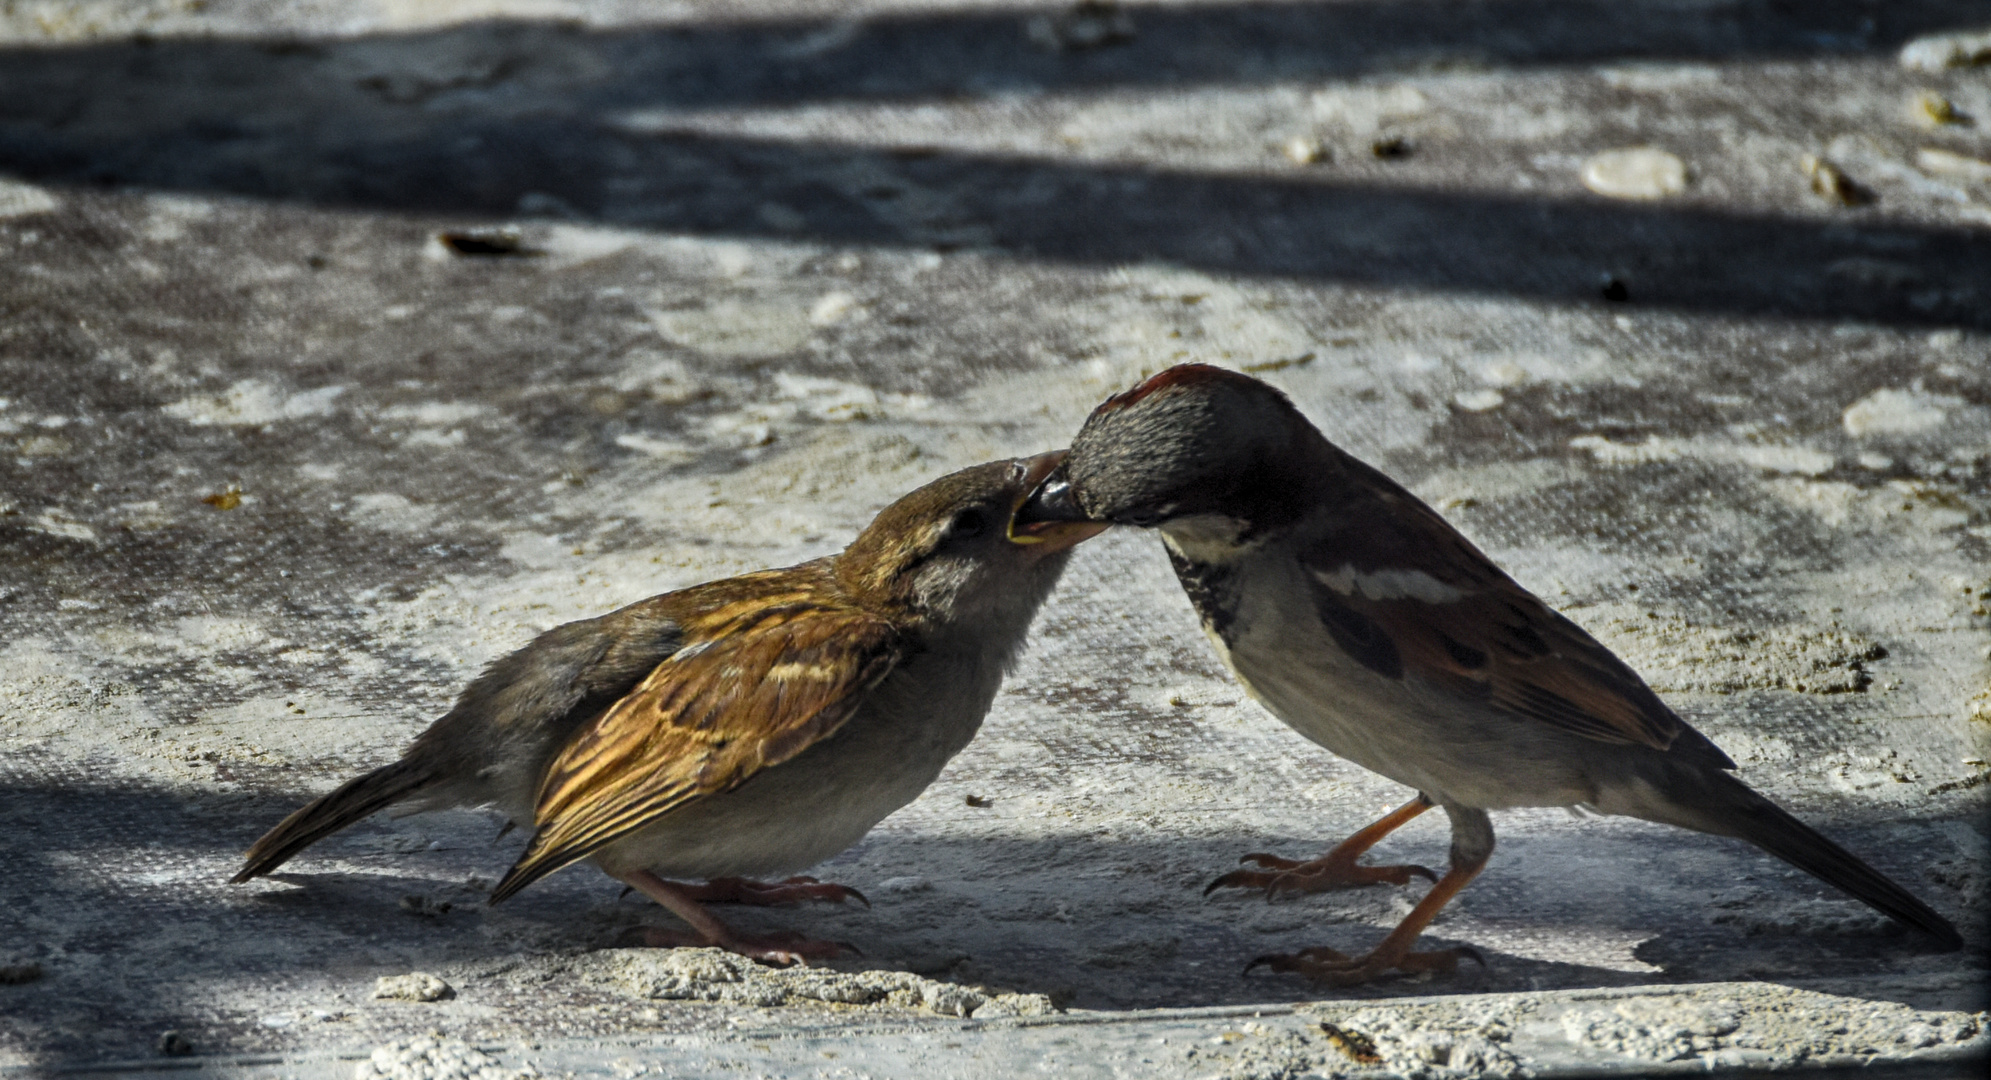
<point x="1320" y="875"/>
<point x="783" y="948"/>
<point x="1328" y="967"/>
<point x="733" y="890"/>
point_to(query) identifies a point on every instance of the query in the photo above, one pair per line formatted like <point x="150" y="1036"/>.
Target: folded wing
<point x="1406" y="595"/>
<point x="753" y="686"/>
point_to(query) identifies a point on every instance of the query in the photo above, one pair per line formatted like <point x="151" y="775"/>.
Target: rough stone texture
<point x="713" y="975"/>
<point x="281" y="467"/>
<point x="415" y="986"/>
<point x="432" y="1057"/>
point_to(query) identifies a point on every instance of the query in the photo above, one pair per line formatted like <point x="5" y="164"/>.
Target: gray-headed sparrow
<point x="1354" y="613"/>
<point x="752" y="726"/>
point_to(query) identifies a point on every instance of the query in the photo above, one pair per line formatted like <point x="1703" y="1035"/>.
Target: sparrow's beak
<point x="1035" y="523"/>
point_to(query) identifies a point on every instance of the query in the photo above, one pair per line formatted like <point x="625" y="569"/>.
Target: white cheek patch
<point x="1389" y="585"/>
<point x="1205" y="538"/>
<point x="941" y="582"/>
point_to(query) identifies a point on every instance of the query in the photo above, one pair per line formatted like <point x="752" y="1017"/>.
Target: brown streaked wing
<point x="754" y="686"/>
<point x="1497" y="642"/>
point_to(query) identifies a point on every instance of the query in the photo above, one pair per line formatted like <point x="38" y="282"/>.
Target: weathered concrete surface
<point x="282" y="471"/>
<point x="1687" y="1030"/>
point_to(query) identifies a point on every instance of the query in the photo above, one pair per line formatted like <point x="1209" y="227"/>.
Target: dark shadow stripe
<point x="1674" y="257"/>
<point x="930" y="54"/>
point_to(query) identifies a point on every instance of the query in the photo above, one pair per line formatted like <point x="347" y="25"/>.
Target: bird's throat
<point x="1210" y="586"/>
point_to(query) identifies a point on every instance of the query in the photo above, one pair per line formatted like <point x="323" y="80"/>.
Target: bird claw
<point x="1240" y="879"/>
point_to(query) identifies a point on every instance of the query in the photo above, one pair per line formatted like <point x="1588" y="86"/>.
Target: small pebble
<point x="1939" y="51"/>
<point x="20" y="972"/>
<point x="227" y="499"/>
<point x="1390" y="147"/>
<point x="1639" y="172"/>
<point x="414" y="986"/>
<point x="904" y="886"/>
<point x="484" y="243"/>
<point x="1935" y="110"/>
<point x="1830" y="183"/>
<point x="425" y="907"/>
<point x="831" y="308"/>
<point x="20" y="200"/>
<point x="1956" y="166"/>
<point x="1305" y="151"/>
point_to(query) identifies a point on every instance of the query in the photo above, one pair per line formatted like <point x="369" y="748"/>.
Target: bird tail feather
<point x="355" y="799"/>
<point x="1747" y="815"/>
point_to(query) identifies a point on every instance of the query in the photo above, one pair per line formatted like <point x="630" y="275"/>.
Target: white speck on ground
<point x="252" y="403"/>
<point x="18" y="200"/>
<point x="1899" y="412"/>
<point x="1937" y="52"/>
<point x="1640" y="172"/>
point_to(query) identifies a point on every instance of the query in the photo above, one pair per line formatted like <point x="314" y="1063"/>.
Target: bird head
<point x="1192" y="442"/>
<point x="953" y="553"/>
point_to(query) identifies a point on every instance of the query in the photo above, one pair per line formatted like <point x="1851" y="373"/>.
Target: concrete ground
<point x="344" y="347"/>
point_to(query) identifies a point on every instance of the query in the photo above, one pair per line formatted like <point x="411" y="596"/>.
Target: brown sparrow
<point x="1354" y="613"/>
<point x="756" y="725"/>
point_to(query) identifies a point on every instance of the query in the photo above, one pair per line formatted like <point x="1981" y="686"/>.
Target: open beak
<point x="1049" y="528"/>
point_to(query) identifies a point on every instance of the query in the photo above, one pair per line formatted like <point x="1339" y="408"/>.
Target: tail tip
<point x="1945" y="935"/>
<point x="512" y="882"/>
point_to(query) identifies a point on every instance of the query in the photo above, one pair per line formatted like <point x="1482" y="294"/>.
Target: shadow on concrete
<point x="118" y="892"/>
<point x="486" y="119"/>
<point x="970" y="52"/>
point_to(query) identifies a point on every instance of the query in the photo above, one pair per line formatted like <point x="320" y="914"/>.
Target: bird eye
<point x="968" y="523"/>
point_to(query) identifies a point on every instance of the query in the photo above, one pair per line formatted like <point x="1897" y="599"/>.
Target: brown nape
<point x="1183" y="375"/>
